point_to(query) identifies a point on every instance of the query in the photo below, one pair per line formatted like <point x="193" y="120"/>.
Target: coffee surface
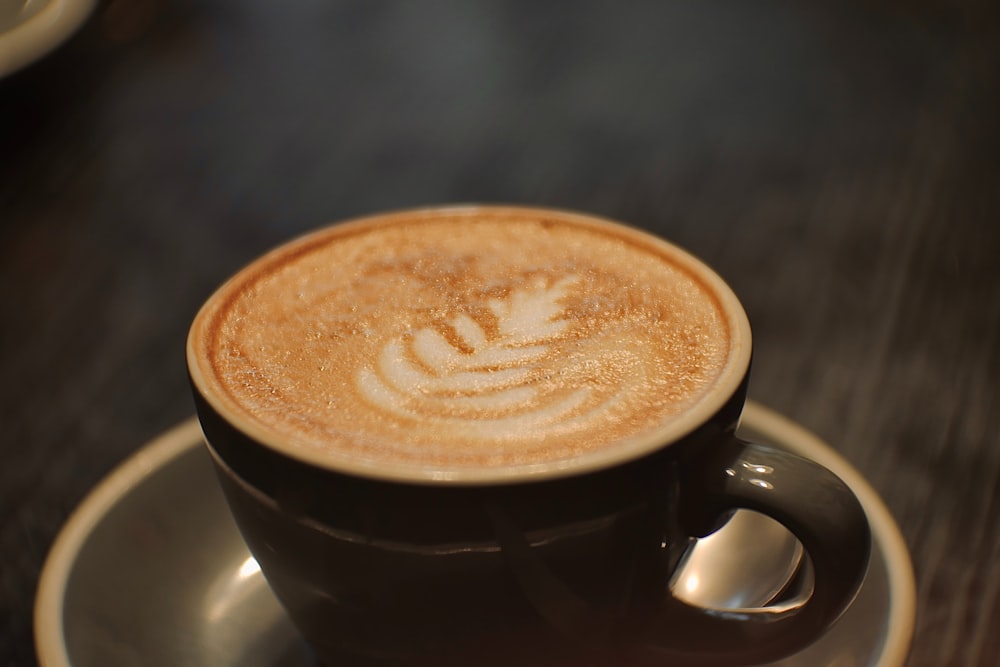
<point x="462" y="339"/>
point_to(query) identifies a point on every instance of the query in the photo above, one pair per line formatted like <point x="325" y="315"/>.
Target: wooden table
<point x="836" y="162"/>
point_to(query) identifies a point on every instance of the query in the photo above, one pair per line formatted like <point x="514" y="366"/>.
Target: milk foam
<point x="462" y="341"/>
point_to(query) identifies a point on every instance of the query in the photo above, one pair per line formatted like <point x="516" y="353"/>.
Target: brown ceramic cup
<point x="563" y="561"/>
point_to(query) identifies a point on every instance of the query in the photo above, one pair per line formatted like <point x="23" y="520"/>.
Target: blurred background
<point x="836" y="162"/>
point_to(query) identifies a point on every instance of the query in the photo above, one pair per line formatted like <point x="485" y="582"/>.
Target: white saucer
<point x="150" y="570"/>
<point x="29" y="29"/>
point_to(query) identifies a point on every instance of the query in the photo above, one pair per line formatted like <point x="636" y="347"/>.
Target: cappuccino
<point x="463" y="338"/>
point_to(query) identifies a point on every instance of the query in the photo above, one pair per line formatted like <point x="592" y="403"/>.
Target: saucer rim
<point x="26" y="42"/>
<point x="50" y="646"/>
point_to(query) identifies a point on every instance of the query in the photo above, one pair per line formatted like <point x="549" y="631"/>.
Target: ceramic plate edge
<point x="49" y="636"/>
<point x="50" y="645"/>
<point x="27" y="42"/>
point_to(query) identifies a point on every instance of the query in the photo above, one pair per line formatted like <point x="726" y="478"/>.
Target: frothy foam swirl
<point x="458" y="341"/>
<point x="490" y="386"/>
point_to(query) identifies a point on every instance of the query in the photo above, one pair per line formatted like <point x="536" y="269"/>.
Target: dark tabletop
<point x="837" y="162"/>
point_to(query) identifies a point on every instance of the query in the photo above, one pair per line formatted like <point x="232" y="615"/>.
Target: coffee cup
<point x="490" y="435"/>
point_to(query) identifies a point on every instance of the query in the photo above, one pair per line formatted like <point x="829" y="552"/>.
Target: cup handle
<point x="811" y="502"/>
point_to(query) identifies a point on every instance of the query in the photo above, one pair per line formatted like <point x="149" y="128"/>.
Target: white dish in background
<point x="151" y="570"/>
<point x="30" y="29"/>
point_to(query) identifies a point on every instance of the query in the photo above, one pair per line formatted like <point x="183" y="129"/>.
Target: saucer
<point x="151" y="570"/>
<point x="29" y="29"/>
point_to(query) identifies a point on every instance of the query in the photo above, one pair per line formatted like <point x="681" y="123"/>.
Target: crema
<point x="463" y="338"/>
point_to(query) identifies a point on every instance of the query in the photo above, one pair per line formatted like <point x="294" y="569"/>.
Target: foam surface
<point x="458" y="341"/>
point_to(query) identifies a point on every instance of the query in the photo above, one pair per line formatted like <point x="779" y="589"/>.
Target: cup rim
<point x="627" y="450"/>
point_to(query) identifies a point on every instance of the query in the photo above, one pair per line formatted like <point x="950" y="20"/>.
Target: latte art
<point x="503" y="385"/>
<point x="461" y="339"/>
